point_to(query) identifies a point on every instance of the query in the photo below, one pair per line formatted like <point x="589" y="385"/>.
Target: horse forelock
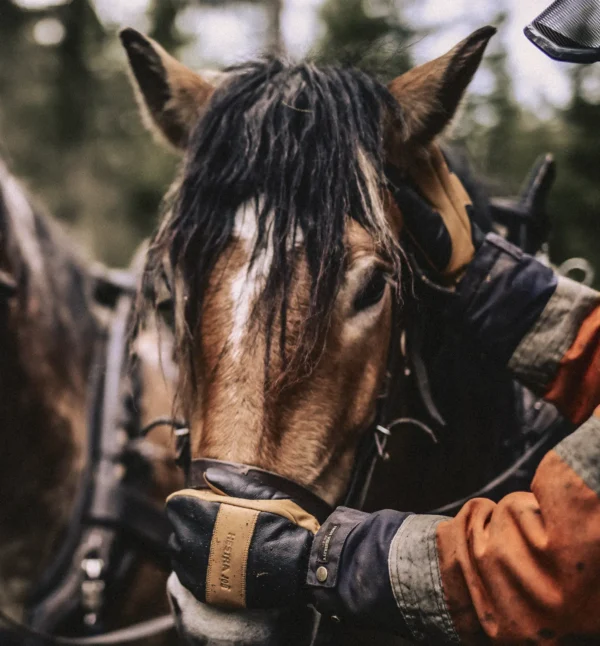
<point x="283" y="158"/>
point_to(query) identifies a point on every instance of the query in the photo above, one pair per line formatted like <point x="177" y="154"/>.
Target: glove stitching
<point x="211" y="559"/>
<point x="247" y="552"/>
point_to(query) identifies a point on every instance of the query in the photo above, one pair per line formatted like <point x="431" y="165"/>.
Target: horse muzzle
<point x="199" y="624"/>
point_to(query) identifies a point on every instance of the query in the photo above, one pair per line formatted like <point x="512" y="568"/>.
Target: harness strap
<point x="123" y="507"/>
<point x="111" y="518"/>
<point x="503" y="483"/>
<point x="374" y="441"/>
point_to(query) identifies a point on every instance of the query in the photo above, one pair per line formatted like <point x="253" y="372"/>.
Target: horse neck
<point x="47" y="333"/>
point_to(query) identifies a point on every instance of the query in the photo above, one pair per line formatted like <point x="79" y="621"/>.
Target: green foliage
<point x="69" y="124"/>
<point x="368" y="34"/>
<point x="502" y="138"/>
<point x="577" y="200"/>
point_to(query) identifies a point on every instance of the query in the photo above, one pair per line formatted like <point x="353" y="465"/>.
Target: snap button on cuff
<point x="322" y="574"/>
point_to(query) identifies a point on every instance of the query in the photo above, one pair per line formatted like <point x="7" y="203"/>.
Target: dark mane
<point x="304" y="144"/>
<point x="54" y="296"/>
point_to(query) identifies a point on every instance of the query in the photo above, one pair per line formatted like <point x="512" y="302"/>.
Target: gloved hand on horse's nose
<point x="239" y="544"/>
<point x="437" y="214"/>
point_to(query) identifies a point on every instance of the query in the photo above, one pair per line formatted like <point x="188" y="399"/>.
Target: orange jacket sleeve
<point x="525" y="570"/>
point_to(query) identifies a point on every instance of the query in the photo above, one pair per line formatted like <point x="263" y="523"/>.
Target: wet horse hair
<point x="305" y="145"/>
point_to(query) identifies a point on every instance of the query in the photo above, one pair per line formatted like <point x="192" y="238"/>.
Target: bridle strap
<point x="308" y="500"/>
<point x="106" y="506"/>
<point x="372" y="446"/>
<point x="500" y="485"/>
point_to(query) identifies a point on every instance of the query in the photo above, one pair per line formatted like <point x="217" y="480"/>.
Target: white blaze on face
<point x="249" y="281"/>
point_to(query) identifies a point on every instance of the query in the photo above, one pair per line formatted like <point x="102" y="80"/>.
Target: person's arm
<point x="525" y="570"/>
<point x="545" y="328"/>
<point x="540" y="325"/>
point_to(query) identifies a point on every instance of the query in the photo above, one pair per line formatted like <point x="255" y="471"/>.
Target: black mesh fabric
<point x="571" y="23"/>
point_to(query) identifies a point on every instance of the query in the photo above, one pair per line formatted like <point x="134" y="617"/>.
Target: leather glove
<point x="436" y="211"/>
<point x="240" y="544"/>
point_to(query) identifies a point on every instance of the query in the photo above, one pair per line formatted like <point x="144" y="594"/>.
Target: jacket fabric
<point x="525" y="570"/>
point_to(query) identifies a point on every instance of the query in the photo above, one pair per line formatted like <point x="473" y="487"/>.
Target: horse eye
<point x="371" y="293"/>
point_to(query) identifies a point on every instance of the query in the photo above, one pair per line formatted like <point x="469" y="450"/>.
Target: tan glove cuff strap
<point x="232" y="537"/>
<point x="228" y="558"/>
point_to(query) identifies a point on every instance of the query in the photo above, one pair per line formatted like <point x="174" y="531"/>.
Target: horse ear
<point x="170" y="95"/>
<point x="429" y="94"/>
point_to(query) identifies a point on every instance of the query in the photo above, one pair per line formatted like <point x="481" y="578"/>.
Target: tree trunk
<point x="275" y="45"/>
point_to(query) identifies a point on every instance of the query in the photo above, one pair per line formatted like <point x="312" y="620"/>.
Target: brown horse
<point x="284" y="247"/>
<point x="52" y="332"/>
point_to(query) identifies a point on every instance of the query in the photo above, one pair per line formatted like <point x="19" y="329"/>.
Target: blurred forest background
<point x="69" y="126"/>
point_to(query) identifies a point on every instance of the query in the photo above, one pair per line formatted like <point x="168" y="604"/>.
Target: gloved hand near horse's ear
<point x="437" y="214"/>
<point x="240" y="544"/>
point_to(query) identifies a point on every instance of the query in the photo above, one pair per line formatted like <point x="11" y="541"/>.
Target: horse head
<point x="283" y="245"/>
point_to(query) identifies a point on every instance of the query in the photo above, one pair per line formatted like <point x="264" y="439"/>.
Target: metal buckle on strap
<point x="92" y="587"/>
<point x="382" y="434"/>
